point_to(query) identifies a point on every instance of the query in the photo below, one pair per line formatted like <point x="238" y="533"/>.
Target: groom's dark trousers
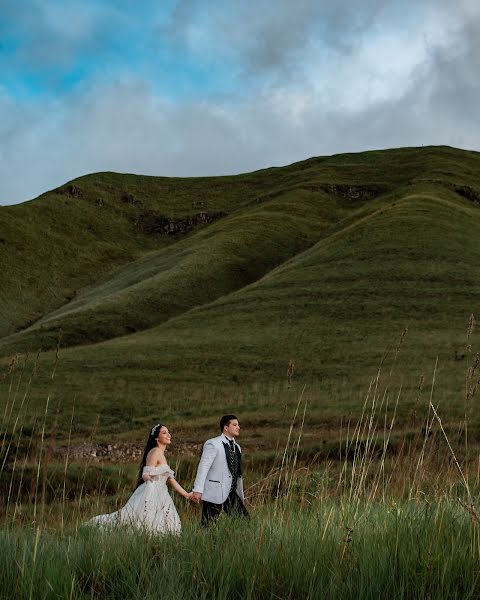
<point x="232" y="506"/>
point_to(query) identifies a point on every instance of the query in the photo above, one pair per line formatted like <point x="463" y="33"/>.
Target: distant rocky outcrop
<point x="152" y="222"/>
<point x="117" y="453"/>
<point x="350" y="192"/>
<point x="129" y="198"/>
<point x="469" y="193"/>
<point x="70" y="190"/>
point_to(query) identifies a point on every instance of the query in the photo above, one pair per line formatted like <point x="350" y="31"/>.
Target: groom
<point x="219" y="483"/>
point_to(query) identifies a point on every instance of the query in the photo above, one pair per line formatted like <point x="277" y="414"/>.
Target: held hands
<point x="195" y="497"/>
<point x="190" y="496"/>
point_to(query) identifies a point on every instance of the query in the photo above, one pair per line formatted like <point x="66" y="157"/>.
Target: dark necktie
<point x="233" y="463"/>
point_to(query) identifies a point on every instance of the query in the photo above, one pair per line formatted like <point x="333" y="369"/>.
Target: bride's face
<point x="164" y="437"/>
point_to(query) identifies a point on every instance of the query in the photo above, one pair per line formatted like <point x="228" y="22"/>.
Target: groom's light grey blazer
<point x="214" y="479"/>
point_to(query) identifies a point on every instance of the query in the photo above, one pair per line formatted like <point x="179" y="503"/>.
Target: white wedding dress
<point x="150" y="507"/>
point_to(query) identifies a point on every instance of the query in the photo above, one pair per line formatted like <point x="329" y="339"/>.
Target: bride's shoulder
<point x="155" y="458"/>
<point x="157" y="470"/>
<point x="154" y="452"/>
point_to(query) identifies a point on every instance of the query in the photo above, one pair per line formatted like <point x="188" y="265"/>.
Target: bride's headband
<point x="155" y="427"/>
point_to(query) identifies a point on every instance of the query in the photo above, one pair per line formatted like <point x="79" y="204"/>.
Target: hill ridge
<point x="265" y="223"/>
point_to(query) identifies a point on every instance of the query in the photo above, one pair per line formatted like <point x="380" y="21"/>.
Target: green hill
<point x="185" y="295"/>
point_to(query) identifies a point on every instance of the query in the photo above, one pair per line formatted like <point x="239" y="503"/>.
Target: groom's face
<point x="232" y="429"/>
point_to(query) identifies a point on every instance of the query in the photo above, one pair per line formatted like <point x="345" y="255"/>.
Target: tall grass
<point x="406" y="550"/>
<point x="387" y="515"/>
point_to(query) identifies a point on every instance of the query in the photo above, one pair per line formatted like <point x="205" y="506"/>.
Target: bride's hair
<point x="151" y="443"/>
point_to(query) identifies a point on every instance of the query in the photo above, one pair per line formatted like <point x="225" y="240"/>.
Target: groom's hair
<point x="225" y="420"/>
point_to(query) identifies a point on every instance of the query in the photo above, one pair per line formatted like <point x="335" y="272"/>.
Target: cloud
<point x="264" y="38"/>
<point x="48" y="45"/>
<point x="316" y="82"/>
<point x="46" y="34"/>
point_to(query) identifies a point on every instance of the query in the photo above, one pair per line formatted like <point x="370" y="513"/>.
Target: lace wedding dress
<point x="150" y="507"/>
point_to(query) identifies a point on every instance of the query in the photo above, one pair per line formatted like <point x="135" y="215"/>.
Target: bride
<point x="150" y="507"/>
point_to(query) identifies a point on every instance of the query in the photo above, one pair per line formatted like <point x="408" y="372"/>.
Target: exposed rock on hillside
<point x="129" y="198"/>
<point x="70" y="190"/>
<point x="469" y="193"/>
<point x="350" y="192"/>
<point x="154" y="223"/>
<point x="118" y="453"/>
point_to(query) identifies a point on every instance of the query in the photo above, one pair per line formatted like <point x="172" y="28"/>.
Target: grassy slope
<point x="199" y="268"/>
<point x="54" y="246"/>
<point x="335" y="282"/>
<point x="334" y="309"/>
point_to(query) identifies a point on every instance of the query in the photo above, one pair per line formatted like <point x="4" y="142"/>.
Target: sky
<point x="202" y="87"/>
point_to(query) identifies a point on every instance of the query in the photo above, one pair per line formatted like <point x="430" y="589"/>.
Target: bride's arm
<point x="173" y="483"/>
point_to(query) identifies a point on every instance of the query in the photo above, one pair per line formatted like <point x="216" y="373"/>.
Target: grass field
<point x="323" y="551"/>
<point x="328" y="263"/>
<point x="374" y="519"/>
<point x="381" y="500"/>
<point x="362" y="467"/>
